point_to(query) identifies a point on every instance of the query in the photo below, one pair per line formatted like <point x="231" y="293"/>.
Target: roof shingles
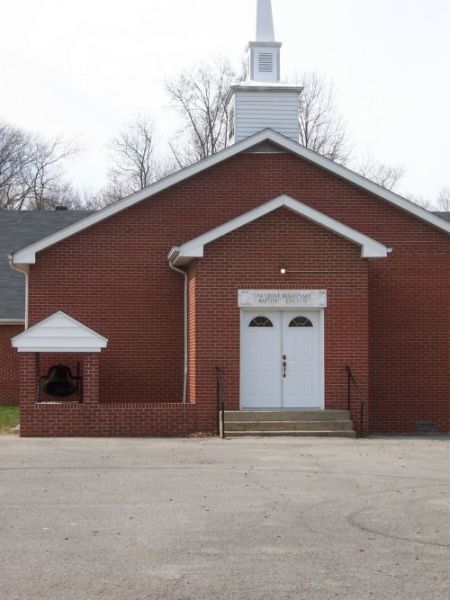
<point x="17" y="230"/>
<point x="444" y="215"/>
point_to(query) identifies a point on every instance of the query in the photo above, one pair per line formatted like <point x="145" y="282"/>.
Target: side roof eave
<point x="27" y="255"/>
<point x="192" y="249"/>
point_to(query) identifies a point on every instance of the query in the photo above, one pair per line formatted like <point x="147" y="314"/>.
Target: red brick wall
<point x="114" y="277"/>
<point x="9" y="366"/>
<point x="110" y="420"/>
<point x="410" y="341"/>
<point x="68" y="419"/>
<point x="250" y="257"/>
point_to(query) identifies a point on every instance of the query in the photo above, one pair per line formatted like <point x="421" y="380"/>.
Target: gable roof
<point x="28" y="254"/>
<point x="18" y="229"/>
<point x="59" y="333"/>
<point x="370" y="248"/>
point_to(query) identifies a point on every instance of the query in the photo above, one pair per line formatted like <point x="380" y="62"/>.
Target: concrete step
<point x="286" y="415"/>
<point x="339" y="434"/>
<point x="301" y="423"/>
<point x="288" y="426"/>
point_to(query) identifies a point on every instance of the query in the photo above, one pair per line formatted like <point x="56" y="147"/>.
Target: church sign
<point x="282" y="298"/>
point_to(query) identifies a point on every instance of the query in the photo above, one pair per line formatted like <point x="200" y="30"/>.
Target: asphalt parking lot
<point x="243" y="519"/>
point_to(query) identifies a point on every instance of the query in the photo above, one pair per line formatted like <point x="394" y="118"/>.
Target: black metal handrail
<point x="351" y="380"/>
<point x="220" y="400"/>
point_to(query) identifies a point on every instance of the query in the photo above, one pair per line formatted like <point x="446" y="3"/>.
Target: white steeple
<point x="262" y="101"/>
<point x="264" y="22"/>
<point x="264" y="53"/>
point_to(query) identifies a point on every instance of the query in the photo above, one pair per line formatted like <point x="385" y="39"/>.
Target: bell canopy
<point x="59" y="333"/>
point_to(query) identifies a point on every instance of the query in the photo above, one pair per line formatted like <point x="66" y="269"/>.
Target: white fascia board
<point x="59" y="333"/>
<point x="28" y="254"/>
<point x="370" y="248"/>
<point x="61" y="349"/>
<point x="193" y="252"/>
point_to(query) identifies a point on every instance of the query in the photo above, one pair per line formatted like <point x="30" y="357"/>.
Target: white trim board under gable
<point x="370" y="248"/>
<point x="59" y="333"/>
<point x="28" y="254"/>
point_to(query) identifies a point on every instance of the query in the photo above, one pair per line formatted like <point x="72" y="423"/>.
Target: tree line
<point x="32" y="168"/>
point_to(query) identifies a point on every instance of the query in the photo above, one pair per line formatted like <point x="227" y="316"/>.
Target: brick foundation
<point x="111" y="420"/>
<point x="71" y="418"/>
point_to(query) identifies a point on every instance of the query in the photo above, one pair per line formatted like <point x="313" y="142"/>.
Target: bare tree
<point x="444" y="200"/>
<point x="46" y="180"/>
<point x="136" y="165"/>
<point x="32" y="174"/>
<point x="199" y="96"/>
<point x="321" y="127"/>
<point x="14" y="159"/>
<point x="385" y="175"/>
<point x="133" y="153"/>
<point x="87" y="199"/>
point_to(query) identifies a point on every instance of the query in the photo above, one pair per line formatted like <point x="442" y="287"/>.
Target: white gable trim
<point x="28" y="254"/>
<point x="370" y="248"/>
<point x="59" y="333"/>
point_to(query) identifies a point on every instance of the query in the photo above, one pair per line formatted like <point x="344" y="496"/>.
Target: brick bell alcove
<point x="62" y="340"/>
<point x="58" y="341"/>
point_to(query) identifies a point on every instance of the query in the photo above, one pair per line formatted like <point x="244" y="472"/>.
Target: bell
<point x="60" y="382"/>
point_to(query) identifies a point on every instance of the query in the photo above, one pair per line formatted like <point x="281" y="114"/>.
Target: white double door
<point x="282" y="359"/>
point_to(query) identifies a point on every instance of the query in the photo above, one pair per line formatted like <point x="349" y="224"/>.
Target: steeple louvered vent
<point x="265" y="62"/>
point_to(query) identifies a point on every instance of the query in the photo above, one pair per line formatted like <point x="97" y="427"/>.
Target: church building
<point x="264" y="289"/>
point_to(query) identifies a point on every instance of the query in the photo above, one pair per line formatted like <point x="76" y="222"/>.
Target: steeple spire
<point x="264" y="22"/>
<point x="264" y="52"/>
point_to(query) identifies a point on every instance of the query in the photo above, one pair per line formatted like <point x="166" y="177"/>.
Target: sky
<point x="84" y="69"/>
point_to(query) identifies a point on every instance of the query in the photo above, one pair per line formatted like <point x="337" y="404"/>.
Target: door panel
<point x="301" y="345"/>
<point x="261" y="377"/>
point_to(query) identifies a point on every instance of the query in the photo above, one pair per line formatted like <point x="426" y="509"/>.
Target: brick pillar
<point x="28" y="377"/>
<point x="90" y="374"/>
